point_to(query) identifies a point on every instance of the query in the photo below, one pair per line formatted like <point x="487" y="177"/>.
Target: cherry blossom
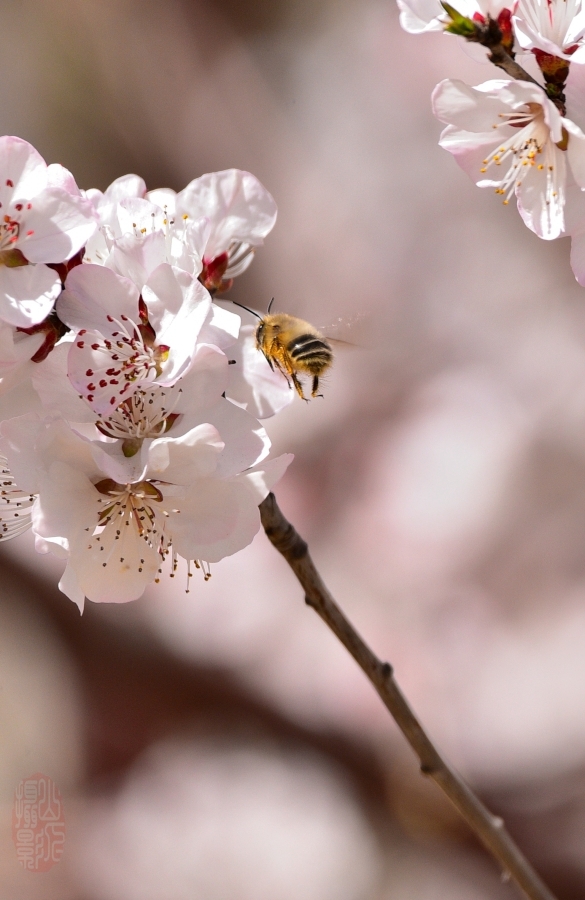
<point x="125" y="340"/>
<point x="117" y="533"/>
<point x="105" y="205"/>
<point x="210" y="228"/>
<point x="509" y="136"/>
<point x="554" y="27"/>
<point x="241" y="213"/>
<point x="128" y="397"/>
<point x="138" y="235"/>
<point x="45" y="220"/>
<point x="418" y="16"/>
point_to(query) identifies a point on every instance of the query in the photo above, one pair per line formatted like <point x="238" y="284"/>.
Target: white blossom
<point x="44" y="220"/>
<point x="210" y="228"/>
<point x="125" y="444"/>
<point x="556" y="27"/>
<point x="125" y="340"/>
<point x="509" y="136"/>
<point x="418" y="16"/>
<point x="105" y="204"/>
<point x="240" y="212"/>
<point x="118" y="532"/>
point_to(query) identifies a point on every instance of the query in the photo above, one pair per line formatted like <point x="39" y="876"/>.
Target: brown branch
<point x="489" y="828"/>
<point x="553" y="88"/>
<point x="501" y="58"/>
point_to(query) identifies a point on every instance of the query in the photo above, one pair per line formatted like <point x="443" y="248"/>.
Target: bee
<point x="292" y="346"/>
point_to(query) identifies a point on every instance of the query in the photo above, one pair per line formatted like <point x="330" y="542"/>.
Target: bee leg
<point x="315" y="387"/>
<point x="280" y="368"/>
<point x="298" y="386"/>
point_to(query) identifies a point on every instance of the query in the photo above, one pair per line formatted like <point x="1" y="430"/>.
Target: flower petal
<point x="58" y="225"/>
<point x="94" y="292"/>
<point x="27" y="294"/>
<point x="237" y="205"/>
<point x="217" y="518"/>
<point x="262" y="479"/>
<point x="57" y="394"/>
<point x="24" y="171"/>
<point x="542" y="209"/>
<point x="576" y="151"/>
<point x="183" y="460"/>
<point x="260" y="389"/>
<point x="418" y="16"/>
<point x="246" y="441"/>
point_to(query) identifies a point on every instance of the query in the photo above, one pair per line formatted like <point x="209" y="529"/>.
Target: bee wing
<point x="343" y="325"/>
<point x="341" y="345"/>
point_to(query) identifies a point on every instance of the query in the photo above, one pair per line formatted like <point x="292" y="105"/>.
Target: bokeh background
<point x="220" y="744"/>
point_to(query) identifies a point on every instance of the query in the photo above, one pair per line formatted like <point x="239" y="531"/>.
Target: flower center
<point x="131" y="506"/>
<point x="9" y="254"/>
<point x="136" y="507"/>
<point x="143" y="415"/>
<point x="530" y="147"/>
<point x="15" y="505"/>
<point x="130" y="358"/>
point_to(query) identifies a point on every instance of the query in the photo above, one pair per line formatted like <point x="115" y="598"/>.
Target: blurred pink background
<point x="220" y="744"/>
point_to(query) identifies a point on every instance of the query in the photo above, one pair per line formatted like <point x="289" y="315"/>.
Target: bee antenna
<point x="251" y="311"/>
<point x="270" y="304"/>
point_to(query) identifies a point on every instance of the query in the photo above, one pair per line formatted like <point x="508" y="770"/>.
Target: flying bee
<point x="292" y="346"/>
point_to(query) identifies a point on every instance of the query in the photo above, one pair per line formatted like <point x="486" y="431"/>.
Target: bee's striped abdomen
<point x="310" y="351"/>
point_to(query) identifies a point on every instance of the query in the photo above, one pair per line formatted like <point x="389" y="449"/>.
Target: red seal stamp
<point x="38" y="823"/>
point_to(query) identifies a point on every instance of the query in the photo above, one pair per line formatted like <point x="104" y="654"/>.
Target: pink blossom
<point x="44" y="220"/>
<point x="508" y="135"/>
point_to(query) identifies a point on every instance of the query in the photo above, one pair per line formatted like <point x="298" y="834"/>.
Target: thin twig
<point x="501" y="58"/>
<point x="489" y="828"/>
<point x="555" y="81"/>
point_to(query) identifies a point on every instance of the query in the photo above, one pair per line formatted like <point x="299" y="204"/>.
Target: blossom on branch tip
<point x="508" y="135"/>
<point x="418" y="16"/>
<point x="553" y="27"/>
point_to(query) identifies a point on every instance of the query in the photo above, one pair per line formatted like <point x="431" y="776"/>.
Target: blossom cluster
<point x="130" y="397"/>
<point x="520" y="135"/>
